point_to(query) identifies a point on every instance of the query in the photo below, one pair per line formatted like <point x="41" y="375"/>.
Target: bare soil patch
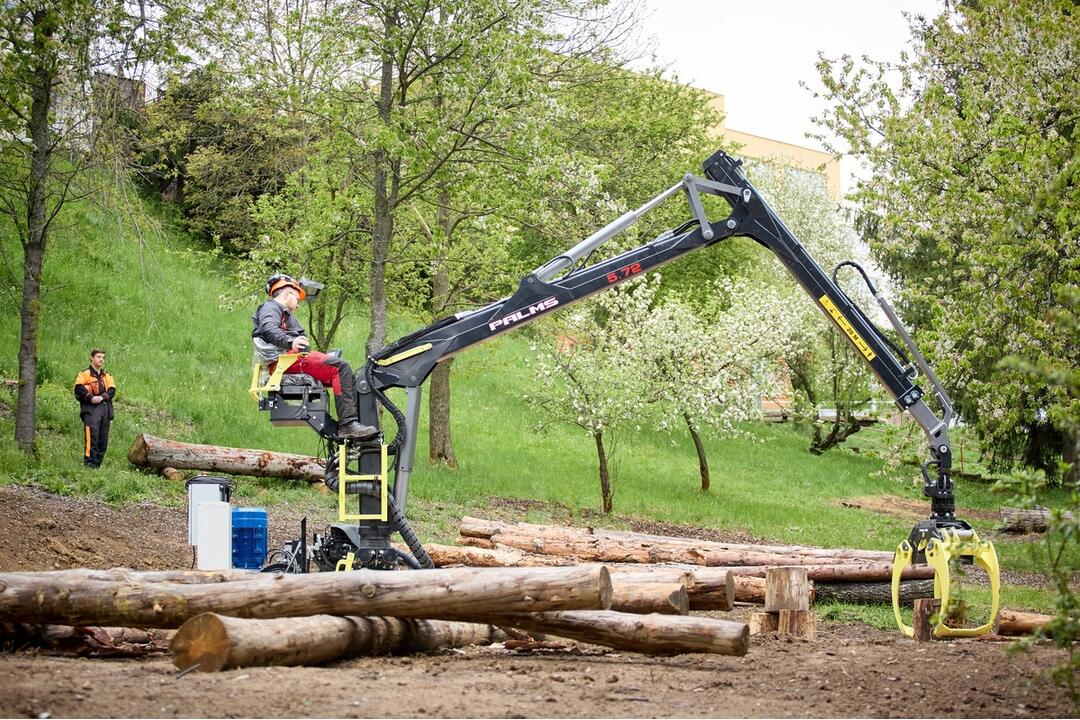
<point x="851" y="670"/>
<point x="907" y="508"/>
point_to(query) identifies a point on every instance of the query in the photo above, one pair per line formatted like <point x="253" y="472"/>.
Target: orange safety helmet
<point x="279" y="281"/>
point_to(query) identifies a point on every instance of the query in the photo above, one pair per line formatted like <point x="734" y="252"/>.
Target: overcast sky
<point x="755" y="52"/>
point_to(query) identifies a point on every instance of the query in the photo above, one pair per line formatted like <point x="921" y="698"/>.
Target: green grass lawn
<point x="182" y="358"/>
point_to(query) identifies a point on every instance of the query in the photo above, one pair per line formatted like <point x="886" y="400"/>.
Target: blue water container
<point x="248" y="538"/>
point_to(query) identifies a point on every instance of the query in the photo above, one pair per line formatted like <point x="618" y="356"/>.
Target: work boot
<point x="353" y="429"/>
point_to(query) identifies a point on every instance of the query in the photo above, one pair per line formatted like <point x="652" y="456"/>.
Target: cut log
<point x="707" y="588"/>
<point x="798" y="623"/>
<point x="750" y="589"/>
<point x="879" y="593"/>
<point x="649" y="597"/>
<point x="763" y="622"/>
<point x="1014" y="622"/>
<point x="845" y="572"/>
<point x="187" y="577"/>
<point x="649" y="634"/>
<point x="217" y="642"/>
<point x="1020" y="520"/>
<point x="638" y="547"/>
<point x="453" y="594"/>
<point x="454" y="555"/>
<point x="922" y="619"/>
<point x="171" y="473"/>
<point x="786" y="588"/>
<point x="155" y="452"/>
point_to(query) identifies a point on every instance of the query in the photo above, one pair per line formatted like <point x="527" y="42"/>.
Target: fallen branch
<point x="84" y="641"/>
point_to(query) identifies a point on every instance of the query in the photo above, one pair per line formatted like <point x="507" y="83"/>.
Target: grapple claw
<point x="939" y="551"/>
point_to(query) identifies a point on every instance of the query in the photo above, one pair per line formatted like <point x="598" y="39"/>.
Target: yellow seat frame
<point x="273" y="380"/>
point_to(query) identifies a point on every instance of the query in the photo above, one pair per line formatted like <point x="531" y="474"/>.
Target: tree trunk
<point x="36" y="233"/>
<point x="155" y="452"/>
<point x="458" y="594"/>
<point x="439" y="439"/>
<point x="706" y="588"/>
<point x="1070" y="454"/>
<point x="498" y="531"/>
<point x="441" y="447"/>
<point x="841" y="431"/>
<point x="703" y="462"/>
<point x="86" y="641"/>
<point x="750" y="589"/>
<point x="874" y="593"/>
<point x="1019" y="520"/>
<point x="649" y="597"/>
<point x="185" y="577"/>
<point x="649" y="634"/>
<point x="605" y="479"/>
<point x="450" y="555"/>
<point x="217" y="642"/>
<point x="846" y="572"/>
<point x="382" y="182"/>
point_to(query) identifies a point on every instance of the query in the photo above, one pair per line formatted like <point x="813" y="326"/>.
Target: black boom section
<point x="408" y="361"/>
<point x="533" y="299"/>
<point x="756" y="220"/>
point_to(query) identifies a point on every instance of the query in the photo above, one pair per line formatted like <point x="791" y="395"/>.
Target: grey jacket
<point x="273" y="330"/>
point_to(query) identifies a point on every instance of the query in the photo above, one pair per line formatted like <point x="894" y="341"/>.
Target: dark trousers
<point x="96" y="423"/>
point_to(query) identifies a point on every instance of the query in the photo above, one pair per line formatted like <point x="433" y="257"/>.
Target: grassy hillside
<point x="128" y="282"/>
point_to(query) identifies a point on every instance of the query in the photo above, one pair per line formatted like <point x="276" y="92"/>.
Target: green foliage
<point x="214" y="147"/>
<point x="1058" y="553"/>
<point x="972" y="203"/>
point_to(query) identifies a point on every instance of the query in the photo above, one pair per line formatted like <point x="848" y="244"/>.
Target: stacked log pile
<point x="228" y="620"/>
<point x="842" y="574"/>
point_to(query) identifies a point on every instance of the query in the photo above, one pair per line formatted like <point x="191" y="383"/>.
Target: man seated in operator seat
<point x="276" y="330"/>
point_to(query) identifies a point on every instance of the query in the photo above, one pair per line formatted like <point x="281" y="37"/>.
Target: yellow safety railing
<point x="344" y="476"/>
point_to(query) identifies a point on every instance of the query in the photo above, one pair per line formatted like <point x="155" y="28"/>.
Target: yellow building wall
<point x="762" y="148"/>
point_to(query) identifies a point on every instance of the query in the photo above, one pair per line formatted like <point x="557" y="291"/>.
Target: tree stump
<point x="763" y="622"/>
<point x="799" y="623"/>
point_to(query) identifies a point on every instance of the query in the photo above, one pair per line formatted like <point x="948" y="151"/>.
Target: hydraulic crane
<point x="364" y="468"/>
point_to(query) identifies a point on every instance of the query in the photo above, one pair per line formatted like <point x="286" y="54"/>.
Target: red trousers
<point x="315" y="364"/>
<point x="330" y="371"/>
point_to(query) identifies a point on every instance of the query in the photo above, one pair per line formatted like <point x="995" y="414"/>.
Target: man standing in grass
<point x="94" y="388"/>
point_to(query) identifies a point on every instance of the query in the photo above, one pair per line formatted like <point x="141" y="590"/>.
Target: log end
<point x="604" y="581"/>
<point x="138" y="450"/>
<point x="204" y="641"/>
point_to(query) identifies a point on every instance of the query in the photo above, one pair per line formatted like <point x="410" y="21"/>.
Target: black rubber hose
<point x="409" y="536"/>
<point x="402" y="525"/>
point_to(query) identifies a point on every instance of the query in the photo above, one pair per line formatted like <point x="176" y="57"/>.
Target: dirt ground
<point x="850" y="670"/>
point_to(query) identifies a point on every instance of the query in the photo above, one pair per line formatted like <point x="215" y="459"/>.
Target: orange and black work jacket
<point x="90" y="383"/>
